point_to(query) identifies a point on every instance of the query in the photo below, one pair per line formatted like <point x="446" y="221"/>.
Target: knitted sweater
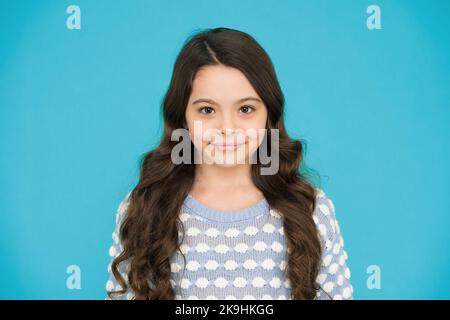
<point x="242" y="254"/>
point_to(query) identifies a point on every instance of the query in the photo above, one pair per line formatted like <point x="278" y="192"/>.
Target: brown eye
<point x="206" y="110"/>
<point x="246" y="109"/>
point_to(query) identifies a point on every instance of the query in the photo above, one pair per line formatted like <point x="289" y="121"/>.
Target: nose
<point x="227" y="125"/>
<point x="227" y="128"/>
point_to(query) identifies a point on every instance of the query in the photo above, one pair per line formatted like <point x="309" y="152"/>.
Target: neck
<point x="218" y="177"/>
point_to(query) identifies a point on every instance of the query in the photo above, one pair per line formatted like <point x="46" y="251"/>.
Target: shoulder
<point x="324" y="204"/>
<point x="334" y="275"/>
<point x="324" y="216"/>
<point x="122" y="208"/>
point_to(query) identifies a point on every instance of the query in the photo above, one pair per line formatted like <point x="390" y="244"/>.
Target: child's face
<point x="227" y="128"/>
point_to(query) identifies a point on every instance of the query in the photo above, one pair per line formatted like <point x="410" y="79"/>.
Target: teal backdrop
<point x="78" y="108"/>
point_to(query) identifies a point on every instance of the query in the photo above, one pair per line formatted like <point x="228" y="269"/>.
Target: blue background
<point x="78" y="108"/>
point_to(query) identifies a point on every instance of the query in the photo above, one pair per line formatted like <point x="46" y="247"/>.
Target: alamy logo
<point x="374" y="20"/>
<point x="74" y="20"/>
<point x="227" y="148"/>
<point x="73" y="281"/>
<point x="374" y="279"/>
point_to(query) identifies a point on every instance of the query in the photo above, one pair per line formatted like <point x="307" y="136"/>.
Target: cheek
<point x="257" y="130"/>
<point x="200" y="132"/>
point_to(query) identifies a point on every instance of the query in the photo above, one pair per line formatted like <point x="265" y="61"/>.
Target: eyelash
<point x="208" y="107"/>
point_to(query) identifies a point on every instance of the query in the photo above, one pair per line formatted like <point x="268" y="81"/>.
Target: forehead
<point x="221" y="83"/>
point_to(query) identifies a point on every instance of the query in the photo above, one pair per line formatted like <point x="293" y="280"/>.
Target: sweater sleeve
<point x="115" y="249"/>
<point x="334" y="274"/>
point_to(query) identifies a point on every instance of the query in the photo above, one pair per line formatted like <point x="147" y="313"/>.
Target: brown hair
<point x="149" y="231"/>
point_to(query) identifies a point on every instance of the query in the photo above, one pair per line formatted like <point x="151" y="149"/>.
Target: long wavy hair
<point x="149" y="232"/>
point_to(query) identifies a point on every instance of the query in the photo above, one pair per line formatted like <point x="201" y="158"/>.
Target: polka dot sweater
<point x="243" y="254"/>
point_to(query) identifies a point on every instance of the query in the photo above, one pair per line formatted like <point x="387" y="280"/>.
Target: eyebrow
<point x="210" y="101"/>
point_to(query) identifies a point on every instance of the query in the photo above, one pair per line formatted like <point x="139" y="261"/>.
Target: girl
<point x="198" y="226"/>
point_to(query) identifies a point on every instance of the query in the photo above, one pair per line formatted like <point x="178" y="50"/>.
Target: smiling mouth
<point x="226" y="147"/>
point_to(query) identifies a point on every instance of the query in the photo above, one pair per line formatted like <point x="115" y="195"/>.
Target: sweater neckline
<point x="196" y="207"/>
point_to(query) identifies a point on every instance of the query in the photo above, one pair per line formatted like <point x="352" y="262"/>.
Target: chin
<point x="226" y="164"/>
<point x="238" y="162"/>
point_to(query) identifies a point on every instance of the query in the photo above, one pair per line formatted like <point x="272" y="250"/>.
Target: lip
<point x="227" y="147"/>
